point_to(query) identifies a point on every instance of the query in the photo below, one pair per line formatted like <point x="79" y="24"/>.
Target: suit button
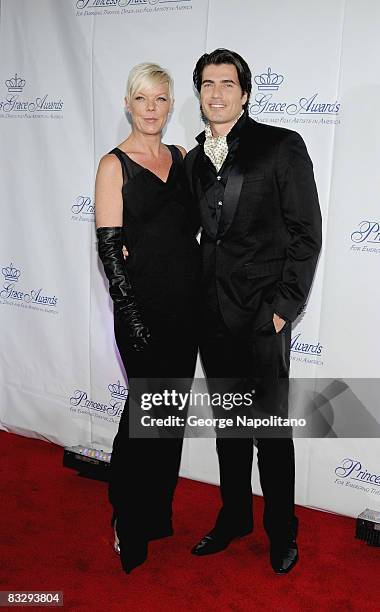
<point x="218" y="242"/>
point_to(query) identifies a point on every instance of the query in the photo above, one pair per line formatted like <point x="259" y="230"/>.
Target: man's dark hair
<point x="225" y="56"/>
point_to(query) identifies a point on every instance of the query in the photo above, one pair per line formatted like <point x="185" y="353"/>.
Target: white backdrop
<point x="63" y="72"/>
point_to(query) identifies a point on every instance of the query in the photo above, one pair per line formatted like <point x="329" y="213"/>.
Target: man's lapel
<point x="248" y="148"/>
<point x="232" y="192"/>
<point x="204" y="187"/>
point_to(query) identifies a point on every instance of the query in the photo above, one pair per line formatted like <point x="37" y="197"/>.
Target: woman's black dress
<point x="159" y="225"/>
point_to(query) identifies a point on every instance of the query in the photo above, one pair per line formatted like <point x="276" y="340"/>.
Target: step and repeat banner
<point x="62" y="83"/>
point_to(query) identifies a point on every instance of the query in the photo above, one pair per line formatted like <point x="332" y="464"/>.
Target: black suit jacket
<point x="262" y="255"/>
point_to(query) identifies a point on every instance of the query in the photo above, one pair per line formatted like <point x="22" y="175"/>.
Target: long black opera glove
<point x="110" y="244"/>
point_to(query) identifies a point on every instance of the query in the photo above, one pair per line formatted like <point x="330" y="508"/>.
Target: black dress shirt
<point x="219" y="179"/>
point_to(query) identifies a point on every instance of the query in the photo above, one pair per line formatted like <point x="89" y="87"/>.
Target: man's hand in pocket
<point x="278" y="323"/>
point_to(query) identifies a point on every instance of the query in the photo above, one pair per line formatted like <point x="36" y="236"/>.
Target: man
<point x="261" y="235"/>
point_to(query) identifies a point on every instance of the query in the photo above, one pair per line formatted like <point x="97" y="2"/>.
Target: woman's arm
<point x="108" y="196"/>
<point x="109" y="220"/>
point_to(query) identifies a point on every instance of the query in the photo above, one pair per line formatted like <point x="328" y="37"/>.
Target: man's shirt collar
<point x="232" y="135"/>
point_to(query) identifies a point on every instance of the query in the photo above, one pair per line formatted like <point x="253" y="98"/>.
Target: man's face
<point x="221" y="96"/>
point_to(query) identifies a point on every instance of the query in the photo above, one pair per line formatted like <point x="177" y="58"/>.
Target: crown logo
<point x="268" y="81"/>
<point x="11" y="274"/>
<point x="15" y="84"/>
<point x="118" y="391"/>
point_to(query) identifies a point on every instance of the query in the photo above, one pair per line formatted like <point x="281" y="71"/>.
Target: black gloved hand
<point x="110" y="244"/>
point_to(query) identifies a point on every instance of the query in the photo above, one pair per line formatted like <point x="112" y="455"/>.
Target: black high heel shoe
<point x="116" y="542"/>
<point x="116" y="546"/>
<point x="157" y="533"/>
<point x="132" y="552"/>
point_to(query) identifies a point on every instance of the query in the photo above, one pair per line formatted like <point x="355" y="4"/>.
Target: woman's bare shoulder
<point x="109" y="165"/>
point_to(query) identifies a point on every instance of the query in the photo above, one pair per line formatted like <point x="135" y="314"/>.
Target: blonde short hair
<point x="148" y="74"/>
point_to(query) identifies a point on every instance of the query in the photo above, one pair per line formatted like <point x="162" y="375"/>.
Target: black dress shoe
<point x="284" y="559"/>
<point x="284" y="550"/>
<point x="215" y="542"/>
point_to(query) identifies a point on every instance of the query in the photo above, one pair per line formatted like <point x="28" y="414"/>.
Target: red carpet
<point x="55" y="535"/>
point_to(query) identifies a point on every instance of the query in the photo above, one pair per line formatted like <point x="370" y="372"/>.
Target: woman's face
<point x="149" y="108"/>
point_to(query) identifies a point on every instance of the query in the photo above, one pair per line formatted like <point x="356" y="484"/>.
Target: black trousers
<point x="260" y="360"/>
<point x="144" y="471"/>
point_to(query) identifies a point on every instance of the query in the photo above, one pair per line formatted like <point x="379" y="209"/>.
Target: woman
<point x="142" y="203"/>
